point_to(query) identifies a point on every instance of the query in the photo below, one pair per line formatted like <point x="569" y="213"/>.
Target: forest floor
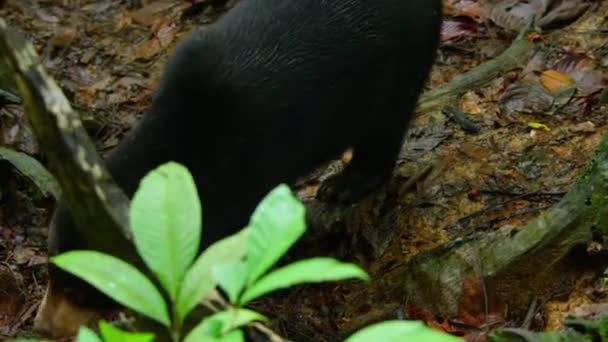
<point x="537" y="126"/>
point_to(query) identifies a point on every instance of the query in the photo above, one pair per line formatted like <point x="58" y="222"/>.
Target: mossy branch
<point x="98" y="205"/>
<point x="512" y="57"/>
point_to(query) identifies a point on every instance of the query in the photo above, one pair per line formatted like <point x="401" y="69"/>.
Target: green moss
<point x="596" y="169"/>
<point x="599" y="207"/>
<point x="587" y="173"/>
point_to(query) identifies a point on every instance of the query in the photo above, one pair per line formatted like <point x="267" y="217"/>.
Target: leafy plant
<point x="166" y="218"/>
<point x="411" y="331"/>
<point x="32" y="169"/>
<point x="166" y="222"/>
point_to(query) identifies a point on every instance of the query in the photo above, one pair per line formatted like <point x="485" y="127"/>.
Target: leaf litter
<point x="537" y="125"/>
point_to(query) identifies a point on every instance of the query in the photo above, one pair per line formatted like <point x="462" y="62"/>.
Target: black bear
<point x="267" y="93"/>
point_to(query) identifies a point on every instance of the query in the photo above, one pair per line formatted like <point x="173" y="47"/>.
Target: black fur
<point x="270" y="91"/>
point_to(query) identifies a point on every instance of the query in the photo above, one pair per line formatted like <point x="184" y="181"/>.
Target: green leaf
<point x="111" y="333"/>
<point x="233" y="336"/>
<point x="118" y="280"/>
<point x="199" y="282"/>
<point x="87" y="335"/>
<point x="397" y="331"/>
<point x="276" y="224"/>
<point x="312" y="270"/>
<point x="231" y="277"/>
<point x="166" y="223"/>
<point x="222" y="323"/>
<point x="33" y="170"/>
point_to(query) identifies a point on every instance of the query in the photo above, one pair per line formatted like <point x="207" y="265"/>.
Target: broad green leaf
<point x="397" y="331"/>
<point x="233" y="336"/>
<point x="166" y="223"/>
<point x="111" y="333"/>
<point x="312" y="270"/>
<point x="117" y="279"/>
<point x="87" y="335"/>
<point x="198" y="282"/>
<point x="276" y="224"/>
<point x="33" y="170"/>
<point x="231" y="277"/>
<point x="221" y="324"/>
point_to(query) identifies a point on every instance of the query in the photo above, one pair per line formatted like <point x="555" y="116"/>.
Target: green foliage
<point x="276" y="224"/>
<point x="166" y="223"/>
<point x="306" y="271"/>
<point x="595" y="329"/>
<point x="222" y="324"/>
<point x="198" y="282"/>
<point x="87" y="335"/>
<point x="117" y="279"/>
<point x="397" y="331"/>
<point x="111" y="333"/>
<point x="32" y="169"/>
<point x="233" y="336"/>
<point x="231" y="278"/>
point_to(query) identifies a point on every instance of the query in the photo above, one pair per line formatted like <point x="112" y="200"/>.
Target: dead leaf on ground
<point x="525" y="96"/>
<point x="161" y="40"/>
<point x="554" y="81"/>
<point x="424" y="139"/>
<point x="514" y="14"/>
<point x="454" y="29"/>
<point x="584" y="71"/>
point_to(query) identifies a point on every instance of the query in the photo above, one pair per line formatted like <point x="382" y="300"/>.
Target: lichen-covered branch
<point x="97" y="203"/>
<point x="8" y="88"/>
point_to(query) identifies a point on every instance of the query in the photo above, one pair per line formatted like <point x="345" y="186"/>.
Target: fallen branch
<point x="511" y="58"/>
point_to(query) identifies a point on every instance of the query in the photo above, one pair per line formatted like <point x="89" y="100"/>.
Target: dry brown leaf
<point x="471" y="103"/>
<point x="161" y="40"/>
<point x="555" y="81"/>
